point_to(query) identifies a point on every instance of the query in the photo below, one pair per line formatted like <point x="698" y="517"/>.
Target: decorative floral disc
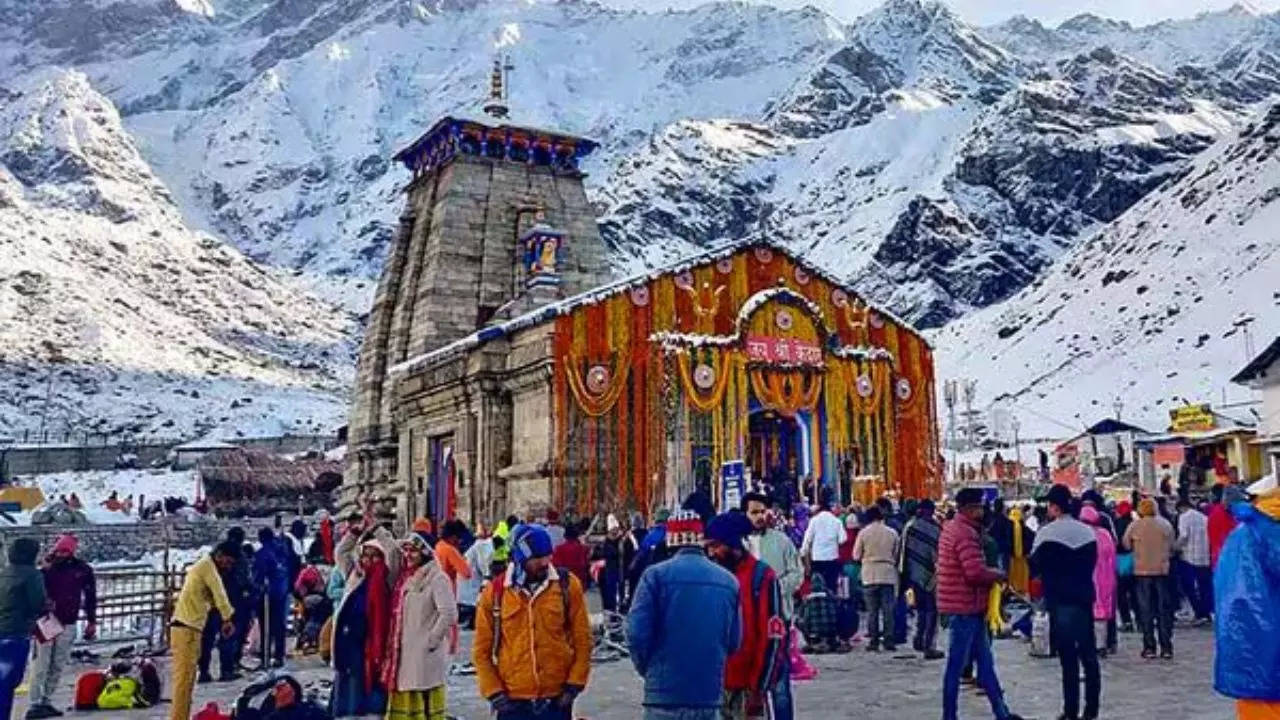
<point x="640" y="296"/>
<point x="802" y="277"/>
<point x="764" y="255"/>
<point x="864" y="385"/>
<point x="703" y="376"/>
<point x="597" y="379"/>
<point x="724" y="266"/>
<point x="877" y="322"/>
<point x="684" y="280"/>
<point x="783" y="319"/>
<point x="902" y="389"/>
<point x="839" y="298"/>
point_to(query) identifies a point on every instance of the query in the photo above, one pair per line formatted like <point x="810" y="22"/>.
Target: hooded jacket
<point x="67" y="583"/>
<point x="22" y="597"/>
<point x="1246" y="587"/>
<point x="540" y="652"/>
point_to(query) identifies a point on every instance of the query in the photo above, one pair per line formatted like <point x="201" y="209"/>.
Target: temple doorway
<point x="776" y="446"/>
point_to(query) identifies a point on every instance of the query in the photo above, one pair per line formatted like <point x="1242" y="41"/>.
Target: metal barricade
<point x="135" y="603"/>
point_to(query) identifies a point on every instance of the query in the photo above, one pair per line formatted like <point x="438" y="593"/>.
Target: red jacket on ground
<point x="964" y="580"/>
<point x="572" y="555"/>
<point x="1221" y="523"/>
<point x="757" y="661"/>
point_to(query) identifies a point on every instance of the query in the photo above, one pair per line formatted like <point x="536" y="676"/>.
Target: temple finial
<point x="496" y="104"/>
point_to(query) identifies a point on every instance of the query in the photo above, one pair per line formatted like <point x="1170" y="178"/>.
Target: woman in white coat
<point x="423" y="611"/>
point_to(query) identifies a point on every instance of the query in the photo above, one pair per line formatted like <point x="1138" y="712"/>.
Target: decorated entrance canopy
<point x="742" y="353"/>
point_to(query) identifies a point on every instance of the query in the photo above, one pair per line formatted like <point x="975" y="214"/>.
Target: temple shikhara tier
<point x="503" y="371"/>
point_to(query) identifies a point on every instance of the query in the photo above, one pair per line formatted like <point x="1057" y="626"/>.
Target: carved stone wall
<point x="454" y="262"/>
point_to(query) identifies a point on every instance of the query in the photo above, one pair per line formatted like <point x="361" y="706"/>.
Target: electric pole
<point x="1017" y="455"/>
<point x="970" y="393"/>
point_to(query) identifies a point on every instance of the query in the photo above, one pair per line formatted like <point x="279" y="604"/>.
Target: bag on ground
<point x="88" y="687"/>
<point x="1040" y="634"/>
<point x="149" y="685"/>
<point x="120" y="693"/>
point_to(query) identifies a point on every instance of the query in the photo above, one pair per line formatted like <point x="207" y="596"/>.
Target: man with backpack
<point x="271" y="580"/>
<point x="532" y="649"/>
<point x="757" y="665"/>
<point x="69" y="584"/>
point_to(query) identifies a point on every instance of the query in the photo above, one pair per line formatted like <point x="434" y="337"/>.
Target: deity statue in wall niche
<point x="546" y="262"/>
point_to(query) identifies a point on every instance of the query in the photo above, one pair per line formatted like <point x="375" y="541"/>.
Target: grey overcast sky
<point x="984" y="12"/>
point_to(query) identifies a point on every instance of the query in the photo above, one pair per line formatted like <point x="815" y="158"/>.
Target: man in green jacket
<point x="22" y="601"/>
<point x="772" y="547"/>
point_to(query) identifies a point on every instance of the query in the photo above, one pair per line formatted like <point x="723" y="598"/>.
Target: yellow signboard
<point x="1191" y="418"/>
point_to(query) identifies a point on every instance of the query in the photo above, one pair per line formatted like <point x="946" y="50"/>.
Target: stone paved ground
<point x="876" y="687"/>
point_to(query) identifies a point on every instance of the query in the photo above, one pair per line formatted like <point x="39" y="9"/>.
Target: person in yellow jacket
<point x="532" y="654"/>
<point x="502" y="552"/>
<point x="202" y="591"/>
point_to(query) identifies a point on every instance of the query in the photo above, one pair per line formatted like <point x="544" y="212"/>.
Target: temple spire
<point x="496" y="104"/>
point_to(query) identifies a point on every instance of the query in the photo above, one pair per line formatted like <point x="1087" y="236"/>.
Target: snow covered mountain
<point x="942" y="168"/>
<point x="932" y="168"/>
<point x="1200" y="40"/>
<point x="1146" y="307"/>
<point x="119" y="318"/>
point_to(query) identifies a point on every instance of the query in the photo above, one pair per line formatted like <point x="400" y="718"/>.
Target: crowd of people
<point x="718" y="607"/>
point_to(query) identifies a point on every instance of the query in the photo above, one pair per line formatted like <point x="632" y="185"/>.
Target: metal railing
<point x="135" y="603"/>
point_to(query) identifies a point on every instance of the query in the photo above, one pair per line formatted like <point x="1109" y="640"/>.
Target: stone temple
<point x="505" y="370"/>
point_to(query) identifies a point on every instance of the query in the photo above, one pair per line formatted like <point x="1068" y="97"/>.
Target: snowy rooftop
<point x="562" y="307"/>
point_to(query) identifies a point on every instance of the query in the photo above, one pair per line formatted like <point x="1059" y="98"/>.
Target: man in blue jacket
<point x="271" y="580"/>
<point x="684" y="624"/>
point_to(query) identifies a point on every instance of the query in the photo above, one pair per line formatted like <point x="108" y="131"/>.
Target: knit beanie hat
<point x="684" y="528"/>
<point x="529" y="542"/>
<point x="730" y="528"/>
<point x="66" y="542"/>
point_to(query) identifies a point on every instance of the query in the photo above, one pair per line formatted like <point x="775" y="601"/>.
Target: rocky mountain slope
<point x="934" y="169"/>
<point x="1146" y="308"/>
<point x="941" y="167"/>
<point x="119" y="318"/>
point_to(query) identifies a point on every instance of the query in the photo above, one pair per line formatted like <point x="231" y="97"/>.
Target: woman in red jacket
<point x="572" y="555"/>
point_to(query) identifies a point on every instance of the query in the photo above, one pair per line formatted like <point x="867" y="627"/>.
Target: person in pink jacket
<point x="1104" y="575"/>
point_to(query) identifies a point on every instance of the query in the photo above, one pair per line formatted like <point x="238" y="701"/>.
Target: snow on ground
<point x="176" y="559"/>
<point x="95" y="486"/>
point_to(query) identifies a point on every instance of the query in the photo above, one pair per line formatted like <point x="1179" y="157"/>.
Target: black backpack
<point x="149" y="685"/>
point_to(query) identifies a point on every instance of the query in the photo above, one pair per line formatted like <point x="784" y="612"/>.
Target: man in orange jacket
<point x="532" y="650"/>
<point x="757" y="665"/>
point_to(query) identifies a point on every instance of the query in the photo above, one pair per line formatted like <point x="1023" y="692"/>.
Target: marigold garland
<point x="774" y="390"/>
<point x="623" y="427"/>
<point x="715" y="395"/>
